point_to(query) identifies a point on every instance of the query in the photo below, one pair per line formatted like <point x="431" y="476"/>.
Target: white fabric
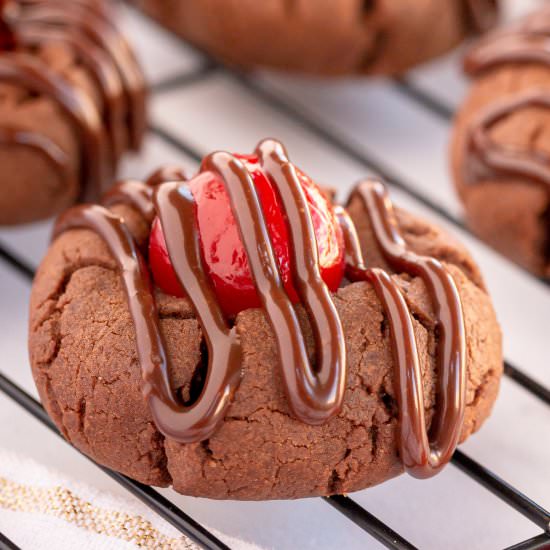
<point x="30" y="528"/>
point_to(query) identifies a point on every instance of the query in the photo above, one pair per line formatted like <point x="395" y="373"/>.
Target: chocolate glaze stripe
<point x="139" y="195"/>
<point x="166" y="173"/>
<point x="176" y="209"/>
<point x="313" y="396"/>
<point x="7" y="41"/>
<point x="493" y="161"/>
<point x="133" y="193"/>
<point x="423" y="455"/>
<point x="181" y="423"/>
<point x="10" y="137"/>
<point x="100" y="67"/>
<point x="451" y="361"/>
<point x="23" y="70"/>
<point x="97" y="6"/>
<point x="320" y="391"/>
<point x="507" y="48"/>
<point x="97" y="26"/>
<point x="525" y="42"/>
<point x="480" y="14"/>
<point x="149" y="341"/>
<point x="354" y="255"/>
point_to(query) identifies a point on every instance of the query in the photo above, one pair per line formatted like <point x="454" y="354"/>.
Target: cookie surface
<point x="71" y="103"/>
<point x="351" y="37"/>
<point x="84" y="359"/>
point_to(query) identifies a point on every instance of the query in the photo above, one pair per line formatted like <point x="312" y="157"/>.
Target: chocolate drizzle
<point x="422" y="454"/>
<point x="525" y="42"/>
<point x="481" y="15"/>
<point x="489" y="160"/>
<point x="47" y="148"/>
<point x="19" y="68"/>
<point x="135" y="194"/>
<point x="104" y="130"/>
<point x="97" y="26"/>
<point x="7" y="38"/>
<point x="315" y="392"/>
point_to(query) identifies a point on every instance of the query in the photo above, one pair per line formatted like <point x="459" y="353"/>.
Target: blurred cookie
<point x="500" y="151"/>
<point x="72" y="101"/>
<point x="321" y="36"/>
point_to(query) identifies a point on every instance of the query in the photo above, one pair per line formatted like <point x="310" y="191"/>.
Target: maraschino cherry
<point x="223" y="252"/>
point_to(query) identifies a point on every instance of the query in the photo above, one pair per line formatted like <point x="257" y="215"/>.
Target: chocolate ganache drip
<point x="43" y="145"/>
<point x="489" y="160"/>
<point x="7" y="38"/>
<point x="315" y="392"/>
<point x="525" y="42"/>
<point x="422" y="454"/>
<point x="105" y="130"/>
<point x="481" y="15"/>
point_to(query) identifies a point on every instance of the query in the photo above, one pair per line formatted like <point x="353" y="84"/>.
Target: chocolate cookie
<point x="501" y="143"/>
<point x="167" y="375"/>
<point x="72" y="101"/>
<point x="323" y="37"/>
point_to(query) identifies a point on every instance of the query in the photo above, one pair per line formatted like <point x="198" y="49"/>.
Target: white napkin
<point x="41" y="508"/>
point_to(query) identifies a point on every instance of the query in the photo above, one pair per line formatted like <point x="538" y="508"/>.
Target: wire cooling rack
<point x="396" y="129"/>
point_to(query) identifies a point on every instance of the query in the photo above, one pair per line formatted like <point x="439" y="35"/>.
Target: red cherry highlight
<point x="223" y="253"/>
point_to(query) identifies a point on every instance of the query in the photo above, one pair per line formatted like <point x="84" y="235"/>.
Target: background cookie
<point x="82" y="348"/>
<point x="72" y="101"/>
<point x="501" y="143"/>
<point x="323" y="37"/>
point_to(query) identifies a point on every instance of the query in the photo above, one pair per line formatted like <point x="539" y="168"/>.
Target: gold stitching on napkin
<point x="64" y="504"/>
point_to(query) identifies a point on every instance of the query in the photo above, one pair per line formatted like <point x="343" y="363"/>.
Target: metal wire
<point x="540" y="542"/>
<point x="429" y="102"/>
<point x="524" y="505"/>
<point x="16" y="263"/>
<point x="185" y="79"/>
<point x="166" y="509"/>
<point x="7" y="544"/>
<point x="527" y="382"/>
<point x="379" y="530"/>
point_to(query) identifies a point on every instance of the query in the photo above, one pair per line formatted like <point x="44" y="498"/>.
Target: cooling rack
<point x="339" y="132"/>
